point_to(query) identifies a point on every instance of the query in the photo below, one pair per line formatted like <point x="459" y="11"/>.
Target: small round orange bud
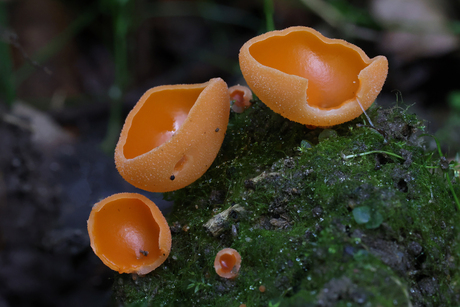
<point x="241" y="97"/>
<point x="227" y="263"/>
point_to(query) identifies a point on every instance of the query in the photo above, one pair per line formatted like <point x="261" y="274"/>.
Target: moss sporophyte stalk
<point x="357" y="214"/>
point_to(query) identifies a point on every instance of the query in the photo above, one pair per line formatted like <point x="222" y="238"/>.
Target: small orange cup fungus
<point x="129" y="233"/>
<point x="227" y="263"/>
<point x="172" y="135"/>
<point x="241" y="97"/>
<point x="311" y="79"/>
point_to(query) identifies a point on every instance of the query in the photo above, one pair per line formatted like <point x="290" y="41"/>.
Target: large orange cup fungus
<point x="172" y="135"/>
<point x="309" y="78"/>
<point x="129" y="233"/>
<point x="227" y="263"/>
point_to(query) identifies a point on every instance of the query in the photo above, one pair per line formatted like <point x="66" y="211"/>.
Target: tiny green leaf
<point x="327" y="134"/>
<point x="362" y="215"/>
<point x="375" y="221"/>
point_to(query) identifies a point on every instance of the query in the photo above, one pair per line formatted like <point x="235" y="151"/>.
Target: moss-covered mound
<point x="347" y="216"/>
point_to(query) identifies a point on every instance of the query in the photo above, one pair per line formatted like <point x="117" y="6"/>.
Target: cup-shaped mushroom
<point x="311" y="79"/>
<point x="172" y="135"/>
<point x="227" y="263"/>
<point x="129" y="233"/>
<point x="241" y="97"/>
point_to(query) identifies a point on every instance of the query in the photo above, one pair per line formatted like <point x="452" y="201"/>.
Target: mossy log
<point x="354" y="215"/>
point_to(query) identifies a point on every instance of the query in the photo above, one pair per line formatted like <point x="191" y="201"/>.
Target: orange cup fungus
<point x="309" y="78"/>
<point x="172" y="135"/>
<point x="129" y="233"/>
<point x="227" y="263"/>
<point x="241" y="97"/>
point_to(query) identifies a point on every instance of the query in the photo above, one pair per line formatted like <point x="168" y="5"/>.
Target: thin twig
<point x="337" y="20"/>
<point x="269" y="10"/>
<point x="364" y="111"/>
<point x="10" y="37"/>
<point x="16" y="121"/>
<point x="372" y="152"/>
<point x="326" y="11"/>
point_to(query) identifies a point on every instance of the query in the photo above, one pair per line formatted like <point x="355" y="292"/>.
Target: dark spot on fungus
<point x="172" y="177"/>
<point x="145" y="253"/>
<point x="217" y="129"/>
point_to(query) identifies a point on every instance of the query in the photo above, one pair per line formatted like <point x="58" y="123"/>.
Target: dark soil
<point x="45" y="200"/>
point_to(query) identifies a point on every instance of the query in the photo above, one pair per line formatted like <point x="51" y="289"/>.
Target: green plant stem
<point x="457" y="202"/>
<point x="326" y="11"/>
<point x="269" y="11"/>
<point x="56" y="44"/>
<point x="373" y="152"/>
<point x="449" y="182"/>
<point x="7" y="88"/>
<point x="120" y="29"/>
<point x="207" y="10"/>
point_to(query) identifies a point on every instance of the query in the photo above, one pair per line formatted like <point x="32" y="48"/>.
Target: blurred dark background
<point x="70" y="71"/>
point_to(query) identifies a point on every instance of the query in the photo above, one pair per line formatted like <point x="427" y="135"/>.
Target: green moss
<point x="322" y="225"/>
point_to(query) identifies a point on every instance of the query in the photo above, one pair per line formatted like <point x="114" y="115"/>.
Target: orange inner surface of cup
<point x="126" y="233"/>
<point x="159" y="118"/>
<point x="331" y="69"/>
